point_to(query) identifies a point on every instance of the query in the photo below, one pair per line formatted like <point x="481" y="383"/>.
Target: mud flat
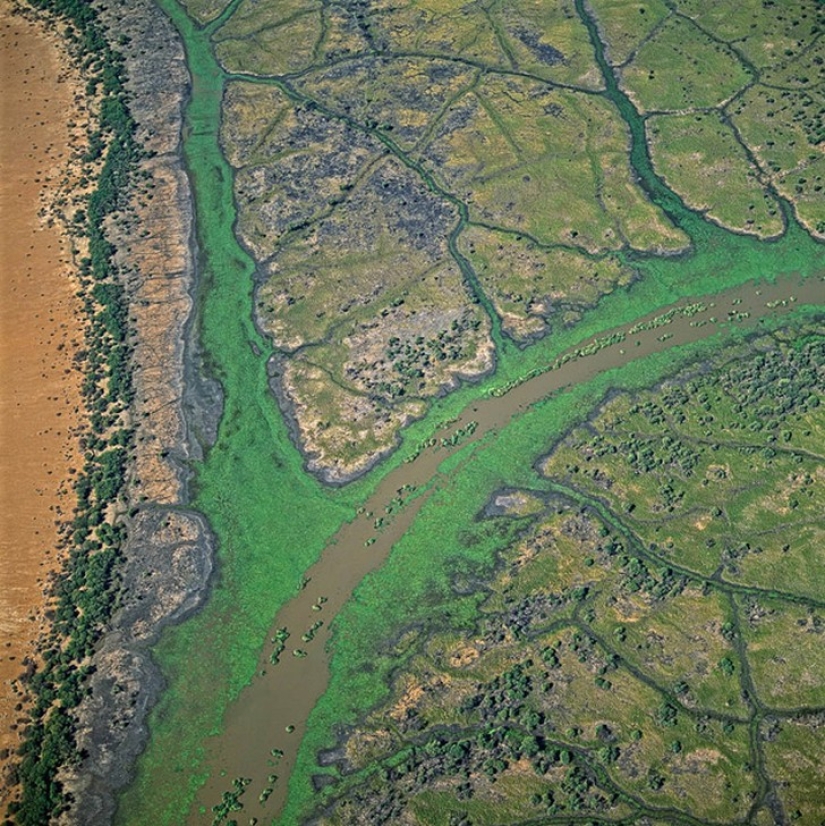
<point x="167" y="559"/>
<point x="41" y="328"/>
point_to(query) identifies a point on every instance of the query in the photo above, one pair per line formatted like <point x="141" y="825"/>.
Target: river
<point x="282" y="696"/>
<point x="277" y="524"/>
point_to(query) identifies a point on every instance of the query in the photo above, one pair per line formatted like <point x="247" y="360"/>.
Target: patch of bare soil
<point x="42" y="126"/>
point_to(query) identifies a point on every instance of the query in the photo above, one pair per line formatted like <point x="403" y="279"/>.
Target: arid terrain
<point x="41" y="129"/>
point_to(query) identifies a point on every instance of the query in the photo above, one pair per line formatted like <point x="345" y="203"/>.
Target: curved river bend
<point x="272" y="712"/>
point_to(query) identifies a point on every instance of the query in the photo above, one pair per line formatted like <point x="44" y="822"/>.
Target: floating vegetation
<point x="231" y="800"/>
<point x="279" y="640"/>
<point x="460" y="435"/>
<point x="309" y="635"/>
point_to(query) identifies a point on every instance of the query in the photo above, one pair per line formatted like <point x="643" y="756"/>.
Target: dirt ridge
<point x="168" y="556"/>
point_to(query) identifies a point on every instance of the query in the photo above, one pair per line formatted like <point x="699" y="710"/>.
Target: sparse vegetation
<point x="84" y="591"/>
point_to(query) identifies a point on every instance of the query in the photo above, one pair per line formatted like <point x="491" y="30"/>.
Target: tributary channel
<point x="269" y="716"/>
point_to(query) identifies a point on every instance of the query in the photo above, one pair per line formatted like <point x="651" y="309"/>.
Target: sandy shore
<point x="41" y="328"/>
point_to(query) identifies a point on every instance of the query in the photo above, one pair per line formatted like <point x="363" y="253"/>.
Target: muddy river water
<point x="271" y="713"/>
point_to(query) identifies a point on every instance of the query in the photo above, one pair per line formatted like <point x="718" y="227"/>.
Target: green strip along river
<point x="274" y="521"/>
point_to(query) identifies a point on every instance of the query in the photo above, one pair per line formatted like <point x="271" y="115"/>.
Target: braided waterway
<point x="274" y="521"/>
<point x="264" y="726"/>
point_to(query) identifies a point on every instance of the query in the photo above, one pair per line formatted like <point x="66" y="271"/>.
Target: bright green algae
<point x="272" y="519"/>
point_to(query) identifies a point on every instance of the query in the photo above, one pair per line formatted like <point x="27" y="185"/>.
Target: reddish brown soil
<point x="41" y="325"/>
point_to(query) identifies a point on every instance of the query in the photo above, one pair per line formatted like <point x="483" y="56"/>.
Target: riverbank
<point x="135" y="560"/>
<point x="42" y="132"/>
<point x="272" y="714"/>
<point x="166" y="561"/>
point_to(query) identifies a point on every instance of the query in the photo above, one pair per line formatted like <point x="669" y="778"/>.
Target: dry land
<point x="93" y="394"/>
<point x="41" y="131"/>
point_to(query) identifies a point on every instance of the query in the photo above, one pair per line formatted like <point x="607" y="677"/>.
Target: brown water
<point x="283" y="695"/>
<point x="40" y="329"/>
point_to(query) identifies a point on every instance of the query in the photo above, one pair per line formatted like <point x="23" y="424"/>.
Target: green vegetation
<point x="356" y="208"/>
<point x="691" y="450"/>
<point x="401" y="186"/>
<point x="595" y="672"/>
<point x="699" y="156"/>
<point x="623" y="30"/>
<point x="766" y="33"/>
<point x="534" y="288"/>
<point x="783" y="127"/>
<point x="205" y="10"/>
<point x="307" y="151"/>
<point x="85" y="591"/>
<point x="751" y="75"/>
<point x="784" y="651"/>
<point x="369" y="293"/>
<point x="262" y="39"/>
<point x="231" y="801"/>
<point x="545" y="42"/>
<point x="513" y="141"/>
<point x="388" y="146"/>
<point x="792" y="754"/>
<point x="680" y="67"/>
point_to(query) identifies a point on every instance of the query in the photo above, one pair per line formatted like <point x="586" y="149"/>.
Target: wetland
<point x="496" y="358"/>
<point x="270" y="157"/>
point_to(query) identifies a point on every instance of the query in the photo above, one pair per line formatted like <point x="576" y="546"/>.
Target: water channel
<point x="272" y="712"/>
<point x="254" y="469"/>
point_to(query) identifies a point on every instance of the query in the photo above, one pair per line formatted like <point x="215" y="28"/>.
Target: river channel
<point x="269" y="718"/>
<point x="275" y="522"/>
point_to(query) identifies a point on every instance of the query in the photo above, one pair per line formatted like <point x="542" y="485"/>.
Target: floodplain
<point x="584" y="609"/>
<point x="630" y="247"/>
